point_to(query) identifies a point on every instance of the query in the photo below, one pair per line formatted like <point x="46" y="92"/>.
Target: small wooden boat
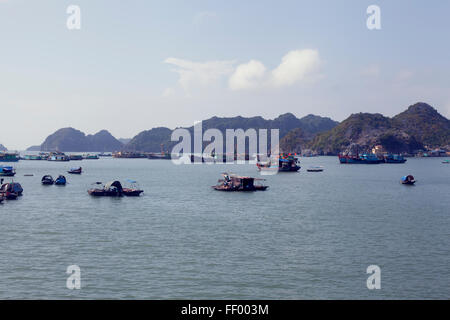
<point x="75" y="170"/>
<point x="133" y="190"/>
<point x="408" y="180"/>
<point x="13" y="187"/>
<point x="446" y="161"/>
<point x="47" y="180"/>
<point x="231" y="182"/>
<point x="315" y="169"/>
<point x="111" y="189"/>
<point x="60" y="181"/>
<point x="8" y="193"/>
<point x="7" y="171"/>
<point x="11" y="191"/>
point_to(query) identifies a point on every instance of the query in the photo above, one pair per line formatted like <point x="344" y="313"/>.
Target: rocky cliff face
<point x="69" y="139"/>
<point x="419" y="125"/>
<point x="424" y="123"/>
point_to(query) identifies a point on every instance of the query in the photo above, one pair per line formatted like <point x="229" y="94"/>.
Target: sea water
<point x="309" y="236"/>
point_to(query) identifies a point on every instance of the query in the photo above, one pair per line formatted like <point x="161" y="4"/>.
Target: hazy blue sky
<point x="137" y="64"/>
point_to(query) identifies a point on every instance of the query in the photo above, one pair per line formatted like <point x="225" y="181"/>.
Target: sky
<point x="138" y="64"/>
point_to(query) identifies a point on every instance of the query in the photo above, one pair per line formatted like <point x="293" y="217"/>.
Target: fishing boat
<point x="75" y="157"/>
<point x="110" y="189"/>
<point x="394" y="158"/>
<point x="7" y="171"/>
<point x="128" y="155"/>
<point x="286" y="163"/>
<point x="60" y="181"/>
<point x="446" y="161"/>
<point x="47" y="180"/>
<point x="315" y="169"/>
<point x="75" y="170"/>
<point x="159" y="156"/>
<point x="58" y="156"/>
<point x="232" y="182"/>
<point x="409" y="180"/>
<point x="11" y="187"/>
<point x="9" y="157"/>
<point x="366" y="158"/>
<point x="90" y="157"/>
<point x="32" y="157"/>
<point x="133" y="190"/>
<point x="105" y="154"/>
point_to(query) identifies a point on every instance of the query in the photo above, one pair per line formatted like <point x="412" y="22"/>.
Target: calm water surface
<point x="310" y="236"/>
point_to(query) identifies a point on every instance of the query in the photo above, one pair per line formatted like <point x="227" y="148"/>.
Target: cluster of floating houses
<point x="229" y="182"/>
<point x="13" y="190"/>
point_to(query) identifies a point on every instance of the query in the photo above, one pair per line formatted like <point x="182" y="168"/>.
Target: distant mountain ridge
<point x="70" y="139"/>
<point x="419" y="126"/>
<point x="151" y="140"/>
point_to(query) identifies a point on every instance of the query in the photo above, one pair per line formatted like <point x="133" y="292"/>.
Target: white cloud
<point x="296" y="65"/>
<point x="198" y="74"/>
<point x="248" y="75"/>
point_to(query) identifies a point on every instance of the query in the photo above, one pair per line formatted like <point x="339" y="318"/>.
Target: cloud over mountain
<point x="296" y="66"/>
